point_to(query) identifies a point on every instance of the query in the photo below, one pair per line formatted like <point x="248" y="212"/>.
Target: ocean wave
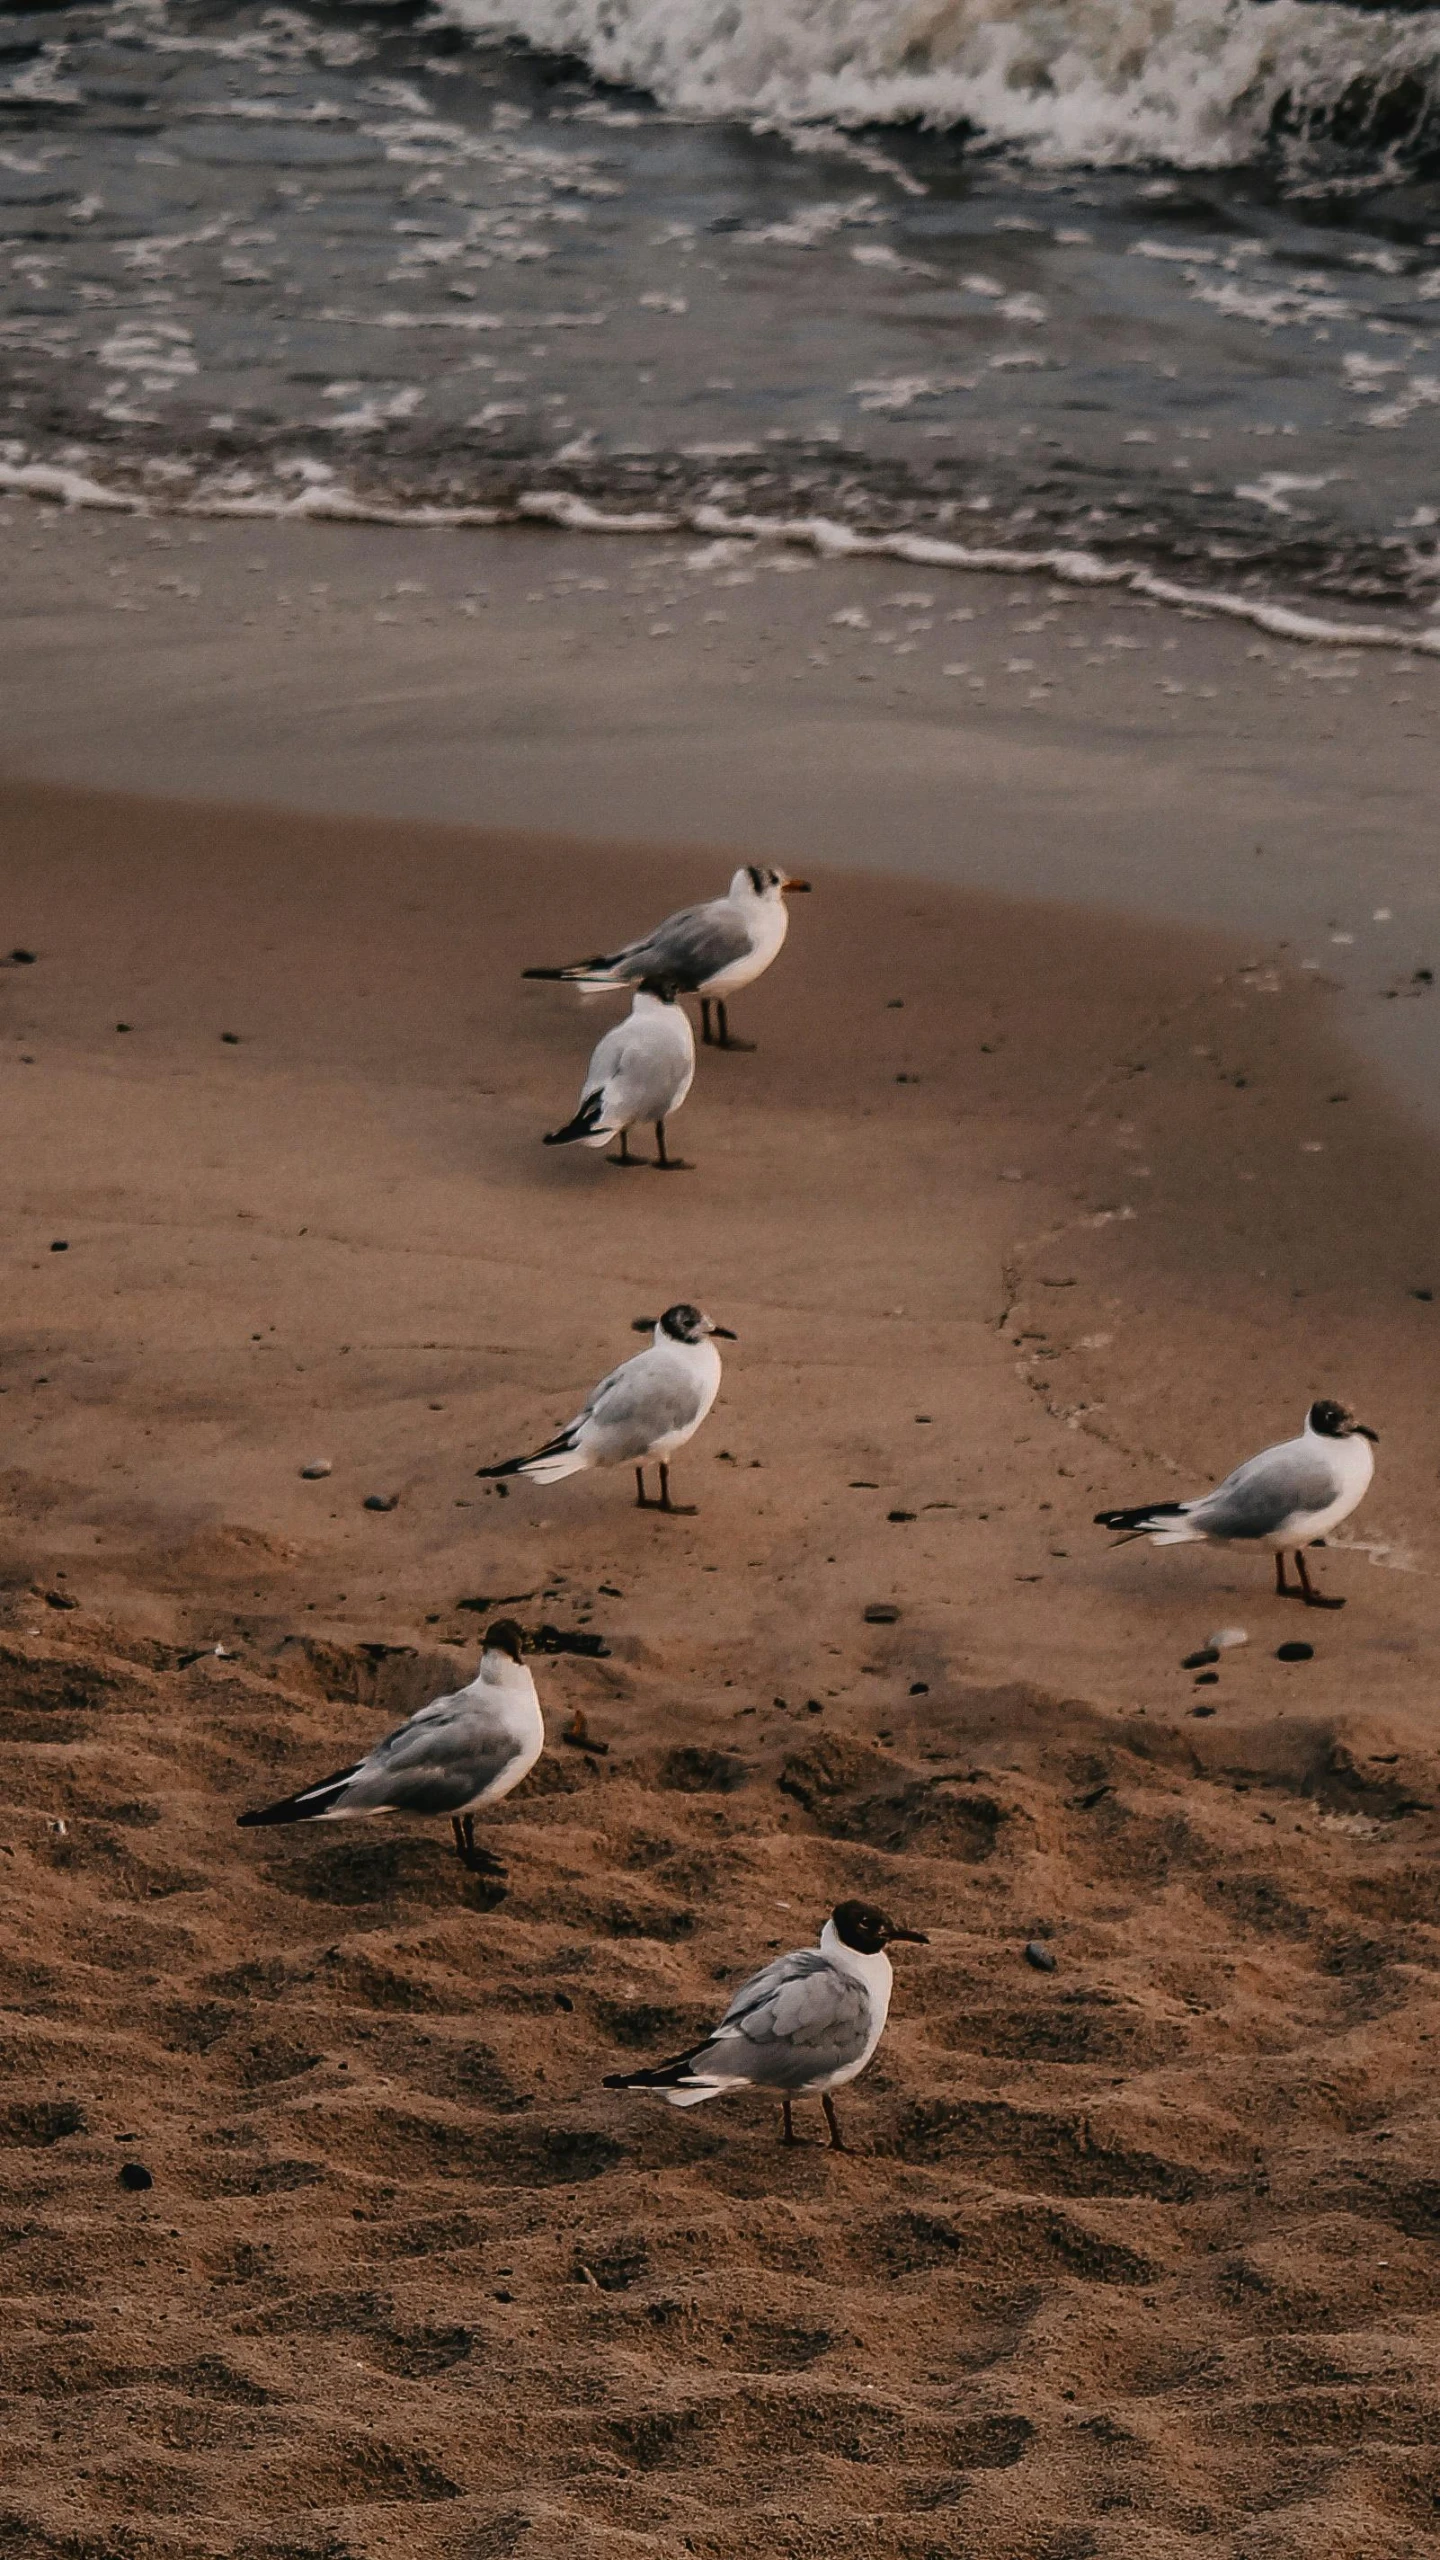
<point x="1192" y="83"/>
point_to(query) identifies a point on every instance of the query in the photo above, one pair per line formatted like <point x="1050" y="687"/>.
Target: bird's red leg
<point x="1314" y="1599"/>
<point x="837" y="2140"/>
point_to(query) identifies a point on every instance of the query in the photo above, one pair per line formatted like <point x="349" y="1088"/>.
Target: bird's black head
<point x="1333" y="1422"/>
<point x="685" y="1323"/>
<point x="666" y="989"/>
<point x="861" y="1926"/>
<point x="505" y="1636"/>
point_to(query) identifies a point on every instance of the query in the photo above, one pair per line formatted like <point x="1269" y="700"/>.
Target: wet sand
<point x="995" y="733"/>
<point x="1017" y="1211"/>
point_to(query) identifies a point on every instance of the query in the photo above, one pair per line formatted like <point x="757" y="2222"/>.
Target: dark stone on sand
<point x="881" y="1613"/>
<point x="899" y="1515"/>
<point x="231" y="1039"/>
<point x="919" y="1688"/>
<point x="1425" y="1296"/>
<point x="1038" y="1954"/>
<point x="60" y="1245"/>
<point x="1207" y="1680"/>
<point x="381" y="1501"/>
<point x="135" y="2178"/>
<point x="60" y="1600"/>
<point x="122" y="1026"/>
<point x="1202" y="1711"/>
<point x="23" y="959"/>
<point x="548" y="1639"/>
<point x="1296" y="1652"/>
<point x="1197" y="1661"/>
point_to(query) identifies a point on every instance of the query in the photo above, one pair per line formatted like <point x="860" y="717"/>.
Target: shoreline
<point x="325" y="499"/>
<point x="1104" y="752"/>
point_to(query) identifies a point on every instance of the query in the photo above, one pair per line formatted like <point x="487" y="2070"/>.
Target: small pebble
<point x="881" y="1613"/>
<point x="1038" y="1954"/>
<point x="1202" y="1711"/>
<point x="1196" y="1661"/>
<point x="318" y="1467"/>
<point x="919" y="1688"/>
<point x="381" y="1501"/>
<point x="60" y="1600"/>
<point x="135" y="2178"/>
<point x="899" y="1515"/>
<point x="1296" y="1652"/>
<point x="22" y="959"/>
<point x="231" y="1039"/>
<point x="60" y="1245"/>
<point x="1208" y="1680"/>
<point x="1224" y="1637"/>
<point x="122" y="1026"/>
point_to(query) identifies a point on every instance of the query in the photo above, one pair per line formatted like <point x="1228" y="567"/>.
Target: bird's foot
<point x="677" y="1510"/>
<point x="730" y="1042"/>
<point x="673" y="1164"/>
<point x="1323" y="1599"/>
<point x="625" y="1164"/>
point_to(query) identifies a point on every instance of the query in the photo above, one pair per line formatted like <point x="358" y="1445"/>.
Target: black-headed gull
<point x="711" y="951"/>
<point x="803" y="2026"/>
<point x="641" y="1071"/>
<point x="464" y="1750"/>
<point x="1286" y="1498"/>
<point x="648" y="1408"/>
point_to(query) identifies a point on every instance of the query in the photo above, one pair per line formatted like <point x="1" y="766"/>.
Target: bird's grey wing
<point x="691" y="945"/>
<point x="442" y="1759"/>
<point x="1266" y="1492"/>
<point x="639" y="1403"/>
<point x="796" y="2022"/>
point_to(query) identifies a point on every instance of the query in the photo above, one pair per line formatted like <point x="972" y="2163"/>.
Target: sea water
<point x="1137" y="287"/>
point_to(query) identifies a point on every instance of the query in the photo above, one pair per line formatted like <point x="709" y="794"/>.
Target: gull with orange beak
<point x="711" y="951"/>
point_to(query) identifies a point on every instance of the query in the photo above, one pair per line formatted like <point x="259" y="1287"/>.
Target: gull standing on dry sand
<point x="804" y="2026"/>
<point x="1287" y="1497"/>
<point x="465" y="1750"/>
<point x="641" y="1070"/>
<point x="710" y="951"/>
<point x="647" y="1408"/>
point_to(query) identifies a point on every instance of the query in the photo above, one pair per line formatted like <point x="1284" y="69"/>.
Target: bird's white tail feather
<point x="553" y="1465"/>
<point x="1176" y="1533"/>
<point x="692" y="2097"/>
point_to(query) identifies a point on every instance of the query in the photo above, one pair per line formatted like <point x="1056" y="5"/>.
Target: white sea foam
<point x="321" y="496"/>
<point x="1192" y="82"/>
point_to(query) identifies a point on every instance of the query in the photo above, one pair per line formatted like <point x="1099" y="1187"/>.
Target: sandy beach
<point x="1024" y="1206"/>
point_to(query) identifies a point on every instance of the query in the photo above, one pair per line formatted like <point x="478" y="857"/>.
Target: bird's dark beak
<point x="789" y="885"/>
<point x="725" y="1333"/>
<point x="911" y="1937"/>
<point x="1365" y="1432"/>
<point x="643" y="1324"/>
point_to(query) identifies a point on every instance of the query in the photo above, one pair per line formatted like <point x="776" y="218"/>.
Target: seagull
<point x="711" y="951"/>
<point x="1287" y="1497"/>
<point x="647" y="1408"/>
<point x="641" y="1070"/>
<point x="804" y="2026"/>
<point x="467" y="1749"/>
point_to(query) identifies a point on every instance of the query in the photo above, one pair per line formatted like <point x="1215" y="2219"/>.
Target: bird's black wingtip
<point x="542" y="973"/>
<point x="615" y="2080"/>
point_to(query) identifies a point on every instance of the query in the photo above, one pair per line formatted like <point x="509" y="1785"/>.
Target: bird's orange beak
<point x="794" y="884"/>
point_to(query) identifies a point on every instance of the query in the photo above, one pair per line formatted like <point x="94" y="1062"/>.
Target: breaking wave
<point x="1193" y="83"/>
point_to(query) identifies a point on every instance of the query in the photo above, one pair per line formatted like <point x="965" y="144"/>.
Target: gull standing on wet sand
<point x="647" y="1408"/>
<point x="710" y="951"/>
<point x="462" y="1751"/>
<point x="804" y="2026"/>
<point x="1287" y="1497"/>
<point x="641" y="1070"/>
